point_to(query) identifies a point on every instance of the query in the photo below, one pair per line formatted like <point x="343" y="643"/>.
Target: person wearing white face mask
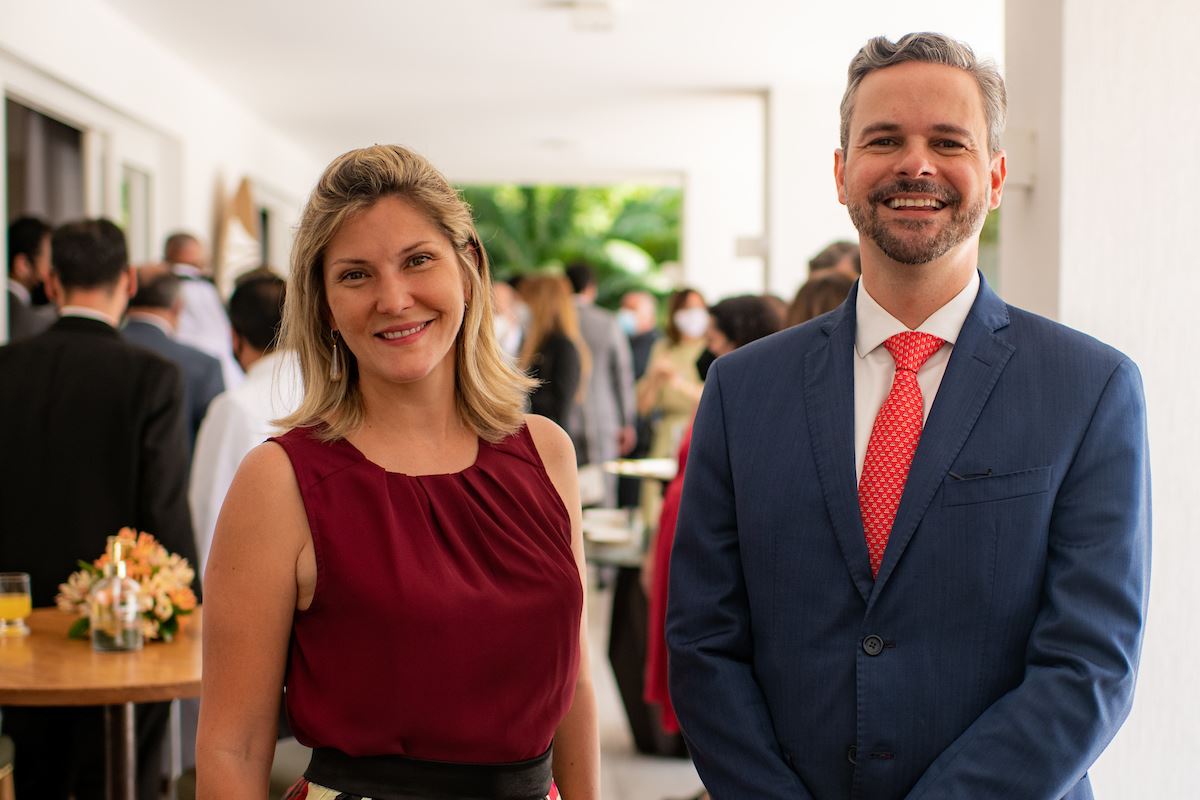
<point x="670" y="389"/>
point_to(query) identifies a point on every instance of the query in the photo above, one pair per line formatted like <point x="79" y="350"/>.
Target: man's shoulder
<point x="1053" y="340"/>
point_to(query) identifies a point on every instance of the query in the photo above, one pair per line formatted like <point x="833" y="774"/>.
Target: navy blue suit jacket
<point x="995" y="654"/>
<point x="202" y="379"/>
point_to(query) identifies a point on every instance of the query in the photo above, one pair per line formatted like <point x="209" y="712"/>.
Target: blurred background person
<point x="554" y="352"/>
<point x="670" y="389"/>
<point x="240" y="419"/>
<point x="508" y="321"/>
<point x="841" y="256"/>
<point x="203" y="323"/>
<point x="735" y="321"/>
<point x="150" y="322"/>
<point x="778" y="305"/>
<point x="602" y="423"/>
<point x="28" y="270"/>
<point x="94" y="440"/>
<point x="820" y="294"/>
<point x="638" y="318"/>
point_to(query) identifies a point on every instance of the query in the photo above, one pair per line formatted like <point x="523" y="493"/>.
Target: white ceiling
<point x="334" y="75"/>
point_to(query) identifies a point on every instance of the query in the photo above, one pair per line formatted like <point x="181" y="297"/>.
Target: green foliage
<point x="79" y="628"/>
<point x="625" y="232"/>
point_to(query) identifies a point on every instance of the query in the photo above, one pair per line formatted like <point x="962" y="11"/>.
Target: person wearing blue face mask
<point x="670" y="389"/>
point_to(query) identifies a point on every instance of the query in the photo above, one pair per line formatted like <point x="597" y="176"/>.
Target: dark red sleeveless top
<point x="445" y="621"/>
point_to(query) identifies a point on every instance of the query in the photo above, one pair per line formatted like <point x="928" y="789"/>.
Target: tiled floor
<point x="624" y="773"/>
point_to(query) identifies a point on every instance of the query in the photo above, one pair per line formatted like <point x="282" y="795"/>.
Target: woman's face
<point x="396" y="293"/>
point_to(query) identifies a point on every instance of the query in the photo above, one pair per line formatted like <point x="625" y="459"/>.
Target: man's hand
<point x="626" y="440"/>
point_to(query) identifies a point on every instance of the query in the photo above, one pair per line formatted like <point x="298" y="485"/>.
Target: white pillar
<point x="1105" y="241"/>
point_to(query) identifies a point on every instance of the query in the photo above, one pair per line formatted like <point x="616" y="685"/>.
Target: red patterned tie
<point x="893" y="441"/>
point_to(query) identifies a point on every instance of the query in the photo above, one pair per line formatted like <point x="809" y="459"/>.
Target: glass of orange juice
<point x="16" y="603"/>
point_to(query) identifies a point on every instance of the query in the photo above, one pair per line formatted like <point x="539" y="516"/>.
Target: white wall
<point x="89" y="49"/>
<point x="805" y="214"/>
<point x="711" y="144"/>
<point x="1122" y="204"/>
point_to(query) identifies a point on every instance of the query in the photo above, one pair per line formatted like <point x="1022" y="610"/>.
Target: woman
<point x="735" y="322"/>
<point x="820" y="294"/>
<point x="670" y="389"/>
<point x="553" y="352"/>
<point x="407" y="557"/>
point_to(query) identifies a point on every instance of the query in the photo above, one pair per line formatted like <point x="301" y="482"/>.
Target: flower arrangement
<point x="165" y="596"/>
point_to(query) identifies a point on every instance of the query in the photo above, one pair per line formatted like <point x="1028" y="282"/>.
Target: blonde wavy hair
<point x="490" y="394"/>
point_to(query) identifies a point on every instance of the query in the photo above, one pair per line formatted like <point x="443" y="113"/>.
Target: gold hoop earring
<point x="335" y="359"/>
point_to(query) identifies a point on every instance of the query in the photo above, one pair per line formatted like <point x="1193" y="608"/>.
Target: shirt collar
<point x="875" y="325"/>
<point x="150" y="319"/>
<point x="186" y="271"/>
<point x="87" y="313"/>
<point x="20" y="291"/>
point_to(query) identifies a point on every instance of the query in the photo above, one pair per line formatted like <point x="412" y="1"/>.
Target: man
<point x="603" y="424"/>
<point x="840" y="256"/>
<point x="203" y="323"/>
<point x="94" y="441"/>
<point x="28" y="268"/>
<point x="638" y="318"/>
<point x="151" y="322"/>
<point x="241" y="418"/>
<point x="921" y="575"/>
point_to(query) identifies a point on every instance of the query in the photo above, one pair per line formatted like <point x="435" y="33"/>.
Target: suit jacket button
<point x="872" y="645"/>
<point x="852" y="754"/>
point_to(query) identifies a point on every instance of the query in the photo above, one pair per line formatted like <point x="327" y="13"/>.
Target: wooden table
<point x="661" y="469"/>
<point x="48" y="669"/>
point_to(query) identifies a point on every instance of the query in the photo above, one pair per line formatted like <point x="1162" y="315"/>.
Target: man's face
<point x="917" y="175"/>
<point x="41" y="264"/>
<point x="193" y="253"/>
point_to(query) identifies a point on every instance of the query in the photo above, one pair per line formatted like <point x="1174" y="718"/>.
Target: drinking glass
<point x="16" y="604"/>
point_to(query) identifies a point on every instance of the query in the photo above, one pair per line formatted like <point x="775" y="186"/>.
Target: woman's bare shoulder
<point x="551" y="441"/>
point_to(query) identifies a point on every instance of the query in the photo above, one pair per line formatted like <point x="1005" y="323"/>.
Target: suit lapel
<point x="975" y="365"/>
<point x="829" y="399"/>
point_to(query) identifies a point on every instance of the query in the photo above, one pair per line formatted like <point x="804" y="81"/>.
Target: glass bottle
<point x="115" y="619"/>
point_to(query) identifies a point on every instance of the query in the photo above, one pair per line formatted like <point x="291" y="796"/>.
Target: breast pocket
<point x="988" y="489"/>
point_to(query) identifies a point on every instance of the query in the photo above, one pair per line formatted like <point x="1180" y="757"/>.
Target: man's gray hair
<point x="929" y="48"/>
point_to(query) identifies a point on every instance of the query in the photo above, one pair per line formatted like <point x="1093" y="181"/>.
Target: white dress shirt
<point x="874" y="366"/>
<point x="237" y="421"/>
<point x="20" y="291"/>
<point x="204" y="323"/>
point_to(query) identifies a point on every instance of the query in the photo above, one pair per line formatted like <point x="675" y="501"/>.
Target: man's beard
<point x="964" y="222"/>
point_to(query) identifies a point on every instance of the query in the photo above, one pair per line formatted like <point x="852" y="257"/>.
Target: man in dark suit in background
<point x="93" y="440"/>
<point x="28" y="268"/>
<point x="151" y="321"/>
<point x="914" y="548"/>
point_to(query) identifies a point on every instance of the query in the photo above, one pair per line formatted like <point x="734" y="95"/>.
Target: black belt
<point x="402" y="778"/>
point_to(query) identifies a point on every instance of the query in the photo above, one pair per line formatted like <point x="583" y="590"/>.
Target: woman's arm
<point x="250" y="592"/>
<point x="577" y="741"/>
<point x="649" y="388"/>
